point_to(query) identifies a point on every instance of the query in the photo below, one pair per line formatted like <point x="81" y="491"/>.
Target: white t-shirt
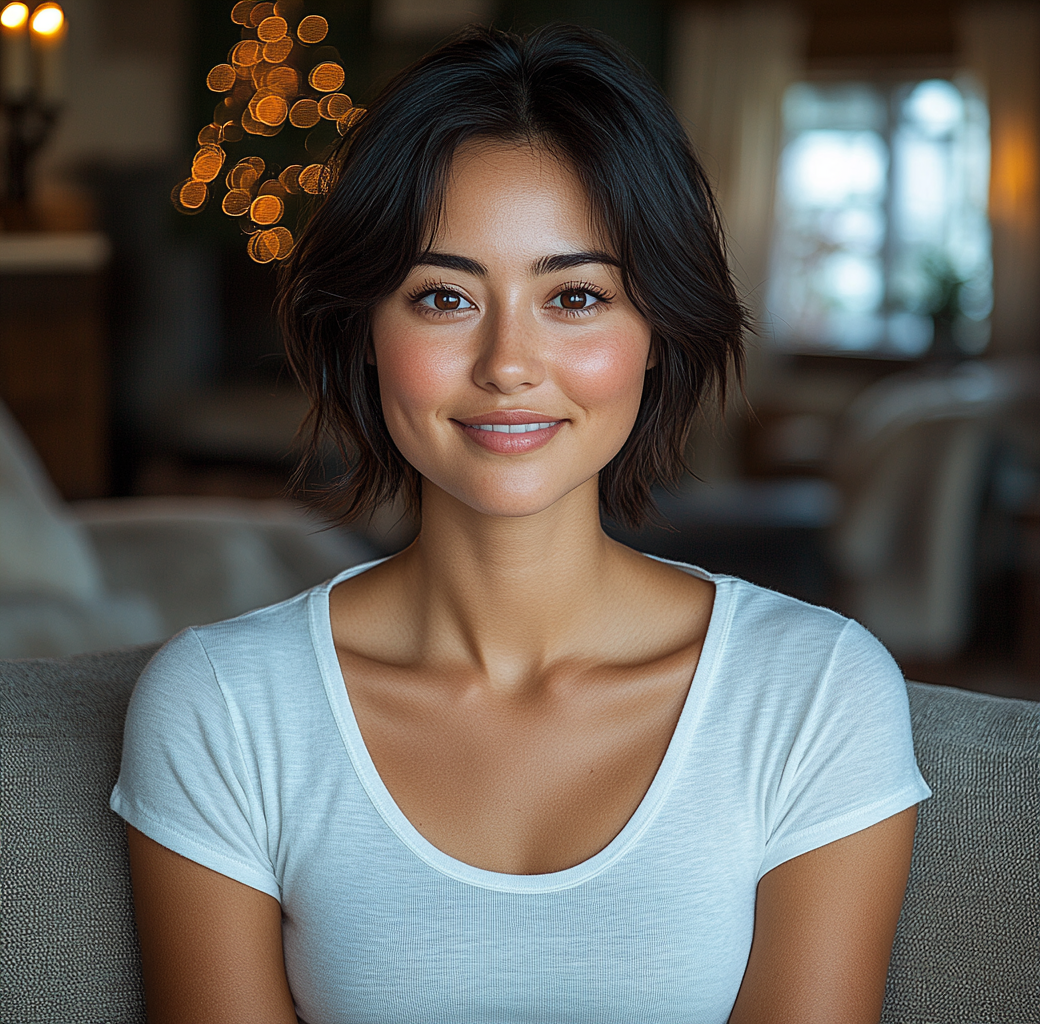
<point x="242" y="753"/>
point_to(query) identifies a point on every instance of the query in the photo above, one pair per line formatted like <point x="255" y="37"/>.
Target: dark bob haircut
<point x="573" y="93"/>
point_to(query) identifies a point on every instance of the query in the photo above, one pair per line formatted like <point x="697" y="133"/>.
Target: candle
<point x="14" y="52"/>
<point x="48" y="34"/>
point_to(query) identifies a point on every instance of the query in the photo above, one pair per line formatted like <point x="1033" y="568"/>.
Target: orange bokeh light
<point x="47" y="20"/>
<point x="1014" y="172"/>
<point x="14" y="16"/>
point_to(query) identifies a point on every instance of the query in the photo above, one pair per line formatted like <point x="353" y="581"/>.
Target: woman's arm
<point x="211" y="947"/>
<point x="824" y="925"/>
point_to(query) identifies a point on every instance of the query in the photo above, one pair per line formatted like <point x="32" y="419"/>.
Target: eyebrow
<point x="543" y="265"/>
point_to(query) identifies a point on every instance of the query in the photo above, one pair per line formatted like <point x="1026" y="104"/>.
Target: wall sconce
<point x="31" y="88"/>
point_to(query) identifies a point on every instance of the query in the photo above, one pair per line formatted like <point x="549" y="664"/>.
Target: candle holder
<point x="29" y="125"/>
<point x="30" y="89"/>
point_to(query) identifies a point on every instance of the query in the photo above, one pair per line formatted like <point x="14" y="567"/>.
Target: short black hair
<point x="576" y="94"/>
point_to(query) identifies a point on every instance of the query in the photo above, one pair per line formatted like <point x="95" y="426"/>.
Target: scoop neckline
<point x="385" y="805"/>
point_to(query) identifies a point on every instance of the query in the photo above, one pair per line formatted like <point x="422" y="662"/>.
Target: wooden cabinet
<point x="54" y="353"/>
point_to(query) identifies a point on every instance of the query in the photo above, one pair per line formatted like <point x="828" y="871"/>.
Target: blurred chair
<point x="914" y="462"/>
<point x="129" y="570"/>
<point x="771" y="532"/>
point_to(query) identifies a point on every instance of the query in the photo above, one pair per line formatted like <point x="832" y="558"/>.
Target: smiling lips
<point x="513" y="428"/>
<point x="510" y="433"/>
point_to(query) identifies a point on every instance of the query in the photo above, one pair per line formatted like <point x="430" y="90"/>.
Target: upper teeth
<point x="514" y="428"/>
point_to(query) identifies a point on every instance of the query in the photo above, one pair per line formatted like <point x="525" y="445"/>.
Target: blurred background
<point x="878" y="168"/>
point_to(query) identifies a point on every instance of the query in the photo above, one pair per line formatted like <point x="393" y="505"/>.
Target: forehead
<point x="522" y="193"/>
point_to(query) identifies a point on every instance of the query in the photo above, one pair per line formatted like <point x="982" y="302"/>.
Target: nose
<point x="510" y="358"/>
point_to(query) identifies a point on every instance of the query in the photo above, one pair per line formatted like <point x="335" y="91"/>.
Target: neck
<point x="508" y="595"/>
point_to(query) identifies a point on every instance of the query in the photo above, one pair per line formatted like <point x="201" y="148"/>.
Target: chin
<point x="508" y="506"/>
<point x="509" y="503"/>
<point x="514" y="510"/>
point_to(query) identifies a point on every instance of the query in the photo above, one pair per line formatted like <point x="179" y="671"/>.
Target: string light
<point x="272" y="78"/>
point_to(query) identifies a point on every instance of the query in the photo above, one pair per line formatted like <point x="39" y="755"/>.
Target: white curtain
<point x="728" y="69"/>
<point x="1001" y="46"/>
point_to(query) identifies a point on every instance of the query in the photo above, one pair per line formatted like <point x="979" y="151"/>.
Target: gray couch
<point x="967" y="950"/>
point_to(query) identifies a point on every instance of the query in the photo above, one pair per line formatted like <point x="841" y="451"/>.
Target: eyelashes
<point x="427" y="287"/>
<point x="431" y="287"/>
<point x="586" y="287"/>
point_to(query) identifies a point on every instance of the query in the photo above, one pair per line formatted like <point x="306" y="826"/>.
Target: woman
<point x="517" y="772"/>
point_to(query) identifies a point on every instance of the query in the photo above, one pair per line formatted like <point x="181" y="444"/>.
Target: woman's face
<point x="510" y="361"/>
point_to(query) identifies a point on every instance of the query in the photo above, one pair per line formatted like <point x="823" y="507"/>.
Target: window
<point x="882" y="244"/>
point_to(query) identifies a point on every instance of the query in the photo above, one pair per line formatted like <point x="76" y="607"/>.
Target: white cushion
<point x="42" y="549"/>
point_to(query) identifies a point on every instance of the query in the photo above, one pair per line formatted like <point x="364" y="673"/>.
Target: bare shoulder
<point x="669" y="580"/>
<point x="368" y="612"/>
<point x="669" y="607"/>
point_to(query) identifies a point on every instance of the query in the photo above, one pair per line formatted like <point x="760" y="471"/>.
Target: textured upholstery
<point x="966" y="951"/>
<point x="69" y="945"/>
<point x="968" y="944"/>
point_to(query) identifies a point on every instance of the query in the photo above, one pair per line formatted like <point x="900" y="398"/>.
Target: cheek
<point x="405" y="378"/>
<point x="413" y="373"/>
<point x="608" y="370"/>
<point x="416" y="379"/>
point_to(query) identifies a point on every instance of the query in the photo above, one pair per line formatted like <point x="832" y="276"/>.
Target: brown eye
<point x="446" y="300"/>
<point x="574" y="300"/>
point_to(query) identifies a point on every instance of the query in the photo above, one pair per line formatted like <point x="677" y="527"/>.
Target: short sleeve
<point x="851" y="760"/>
<point x="184" y="781"/>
